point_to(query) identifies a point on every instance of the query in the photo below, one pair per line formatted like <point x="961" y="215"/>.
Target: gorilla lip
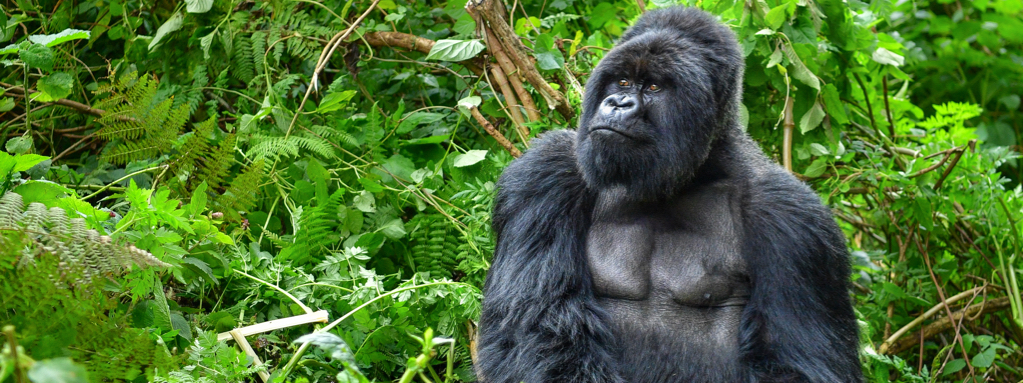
<point x="610" y="129"/>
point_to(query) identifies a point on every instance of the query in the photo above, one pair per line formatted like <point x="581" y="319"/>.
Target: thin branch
<point x="945" y="323"/>
<point x="884" y="348"/>
<point x="787" y="129"/>
<point x="77" y="106"/>
<point x="948" y="170"/>
<point x="412" y="43"/>
<point x="512" y="108"/>
<point x="887" y="108"/>
<point x="512" y="72"/>
<point x="492" y="12"/>
<point x="507" y="145"/>
<point x="944" y="301"/>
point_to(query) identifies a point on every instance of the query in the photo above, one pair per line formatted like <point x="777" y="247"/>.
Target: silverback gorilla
<point x="658" y="243"/>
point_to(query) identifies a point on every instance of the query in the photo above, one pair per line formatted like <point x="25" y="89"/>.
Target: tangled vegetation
<point x="173" y="171"/>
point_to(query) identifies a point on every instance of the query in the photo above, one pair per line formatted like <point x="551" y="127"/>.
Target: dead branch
<point x="945" y="323"/>
<point x="512" y="103"/>
<point x="509" y="68"/>
<point x="507" y="145"/>
<point x="410" y="42"/>
<point x="75" y="105"/>
<point x="492" y="13"/>
<point x="925" y="316"/>
<point x="787" y="127"/>
<point x="952" y="165"/>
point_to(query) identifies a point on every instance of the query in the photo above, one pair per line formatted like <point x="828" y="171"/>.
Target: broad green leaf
<point x="58" y="370"/>
<point x="205" y="43"/>
<point x="455" y="50"/>
<point x="393" y="228"/>
<point x="418" y="118"/>
<point x="522" y="29"/>
<point x="18" y="145"/>
<point x="335" y="101"/>
<point x="198" y="6"/>
<point x="775" y="58"/>
<point x="44" y="192"/>
<point x="27" y="161"/>
<point x="776" y="16"/>
<point x="799" y="70"/>
<point x="887" y="57"/>
<point x="172" y="24"/>
<point x="198" y="202"/>
<point x="464" y="25"/>
<point x="57" y="38"/>
<point x="983" y="359"/>
<point x="833" y="102"/>
<point x="818" y="149"/>
<point x="816" y="168"/>
<point x="953" y="366"/>
<point x="9" y="49"/>
<point x="470" y="101"/>
<point x="57" y="85"/>
<point x="37" y="56"/>
<point x="470" y="158"/>
<point x="548" y="57"/>
<point x="1011" y="101"/>
<point x="6" y="104"/>
<point x="365" y="202"/>
<point x="812" y="118"/>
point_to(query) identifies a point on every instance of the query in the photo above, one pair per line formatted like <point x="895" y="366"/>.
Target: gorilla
<point x="659" y="244"/>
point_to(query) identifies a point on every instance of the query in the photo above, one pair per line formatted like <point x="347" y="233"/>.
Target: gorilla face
<point x="654" y="106"/>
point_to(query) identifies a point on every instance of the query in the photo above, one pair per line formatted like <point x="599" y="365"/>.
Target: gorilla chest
<point x="664" y="260"/>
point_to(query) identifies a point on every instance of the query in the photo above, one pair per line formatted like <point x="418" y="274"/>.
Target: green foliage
<point x="348" y="175"/>
<point x="59" y="310"/>
<point x="137" y="124"/>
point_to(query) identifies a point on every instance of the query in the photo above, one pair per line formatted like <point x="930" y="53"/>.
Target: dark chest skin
<point x="671" y="274"/>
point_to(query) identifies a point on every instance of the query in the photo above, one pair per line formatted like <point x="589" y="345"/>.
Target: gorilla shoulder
<point x="548" y="169"/>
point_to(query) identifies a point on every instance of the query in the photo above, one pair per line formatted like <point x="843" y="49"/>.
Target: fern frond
<point x="215" y="166"/>
<point x="244" y="68"/>
<point x="243" y="192"/>
<point x="78" y="247"/>
<point x="343" y="138"/>
<point x="434" y="245"/>
<point x="138" y="125"/>
<point x="274" y="147"/>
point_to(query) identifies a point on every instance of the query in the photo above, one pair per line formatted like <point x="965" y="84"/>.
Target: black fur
<point x="658" y="244"/>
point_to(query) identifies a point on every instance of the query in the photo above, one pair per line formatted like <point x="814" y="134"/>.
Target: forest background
<point x="174" y="170"/>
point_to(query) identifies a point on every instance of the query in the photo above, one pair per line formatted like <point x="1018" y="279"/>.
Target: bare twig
<point x="77" y="106"/>
<point x="787" y="129"/>
<point x="244" y="344"/>
<point x="511" y="71"/>
<point x="507" y="145"/>
<point x="948" y="170"/>
<point x="410" y="42"/>
<point x="944" y="302"/>
<point x="887" y="108"/>
<point x="945" y="323"/>
<point x="492" y="12"/>
<point x="884" y="348"/>
<point x="512" y="108"/>
<point x="320" y="316"/>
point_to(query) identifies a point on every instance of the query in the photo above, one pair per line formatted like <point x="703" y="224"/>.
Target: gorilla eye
<point x="654" y="87"/>
<point x="624" y="82"/>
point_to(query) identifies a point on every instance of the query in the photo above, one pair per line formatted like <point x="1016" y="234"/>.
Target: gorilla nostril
<point x="619" y="103"/>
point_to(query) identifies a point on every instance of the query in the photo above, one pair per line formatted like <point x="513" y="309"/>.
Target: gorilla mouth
<point x="611" y="130"/>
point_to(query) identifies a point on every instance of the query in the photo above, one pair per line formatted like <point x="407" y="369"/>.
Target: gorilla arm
<point x="540" y="322"/>
<point x="798" y="325"/>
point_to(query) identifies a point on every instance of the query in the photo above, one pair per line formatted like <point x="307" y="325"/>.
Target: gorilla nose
<point x="619" y="105"/>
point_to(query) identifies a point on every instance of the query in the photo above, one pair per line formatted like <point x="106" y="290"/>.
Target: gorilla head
<point x="657" y="102"/>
